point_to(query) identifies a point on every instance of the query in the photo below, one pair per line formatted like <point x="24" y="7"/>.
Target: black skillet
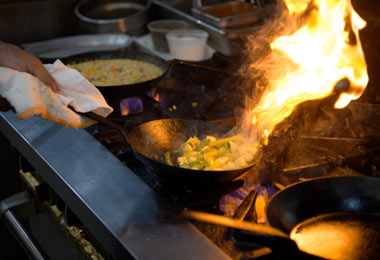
<point x="150" y="140"/>
<point x="122" y="91"/>
<point x="329" y="218"/>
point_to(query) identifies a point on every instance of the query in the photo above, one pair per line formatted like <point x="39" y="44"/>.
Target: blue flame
<point x="131" y="106"/>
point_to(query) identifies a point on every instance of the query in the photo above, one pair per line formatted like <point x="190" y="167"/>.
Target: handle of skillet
<point x="108" y="122"/>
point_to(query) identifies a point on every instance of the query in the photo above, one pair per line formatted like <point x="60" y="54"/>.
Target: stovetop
<point x="118" y="199"/>
<point x="338" y="143"/>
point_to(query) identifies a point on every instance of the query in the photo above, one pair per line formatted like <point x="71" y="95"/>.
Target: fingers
<point x="13" y="57"/>
<point x="36" y="68"/>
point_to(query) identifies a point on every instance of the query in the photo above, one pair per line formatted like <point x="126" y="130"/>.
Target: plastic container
<point x="160" y="28"/>
<point x="187" y="44"/>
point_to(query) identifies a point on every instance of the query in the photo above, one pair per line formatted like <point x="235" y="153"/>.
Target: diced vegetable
<point x="212" y="154"/>
<point x="167" y="159"/>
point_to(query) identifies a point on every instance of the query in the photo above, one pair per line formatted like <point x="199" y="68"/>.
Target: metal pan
<point x="149" y="142"/>
<point x="64" y="47"/>
<point x="122" y="91"/>
<point x="323" y="195"/>
<point x="342" y="220"/>
<point x="152" y="139"/>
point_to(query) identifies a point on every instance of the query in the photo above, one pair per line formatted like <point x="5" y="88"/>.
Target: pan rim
<point x="321" y="181"/>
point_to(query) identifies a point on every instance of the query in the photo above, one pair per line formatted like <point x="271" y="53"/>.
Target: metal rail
<point x="15" y="225"/>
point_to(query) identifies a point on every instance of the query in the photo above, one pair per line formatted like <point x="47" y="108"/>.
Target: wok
<point x="331" y="217"/>
<point x="149" y="141"/>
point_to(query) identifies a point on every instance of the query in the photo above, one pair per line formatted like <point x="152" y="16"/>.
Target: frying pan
<point x="122" y="91"/>
<point x="330" y="217"/>
<point x="149" y="141"/>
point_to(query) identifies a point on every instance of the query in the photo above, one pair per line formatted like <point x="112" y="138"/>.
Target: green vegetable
<point x="212" y="154"/>
<point x="194" y="104"/>
<point x="167" y="159"/>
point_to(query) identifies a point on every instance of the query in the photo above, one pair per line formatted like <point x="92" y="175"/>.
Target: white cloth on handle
<point x="29" y="96"/>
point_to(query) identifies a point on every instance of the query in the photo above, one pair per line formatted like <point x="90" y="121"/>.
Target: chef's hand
<point x="15" y="58"/>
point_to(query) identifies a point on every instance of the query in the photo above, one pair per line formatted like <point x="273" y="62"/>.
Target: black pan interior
<point x="321" y="196"/>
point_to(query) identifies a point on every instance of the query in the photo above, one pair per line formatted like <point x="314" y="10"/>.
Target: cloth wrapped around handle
<point x="29" y="96"/>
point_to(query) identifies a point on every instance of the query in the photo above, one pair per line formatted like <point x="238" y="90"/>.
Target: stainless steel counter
<point x="117" y="207"/>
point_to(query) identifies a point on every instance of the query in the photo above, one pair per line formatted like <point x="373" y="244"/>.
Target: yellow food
<point x="116" y="72"/>
<point x="212" y="154"/>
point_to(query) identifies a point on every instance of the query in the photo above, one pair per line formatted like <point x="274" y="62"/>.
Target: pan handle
<point x="247" y="233"/>
<point x="107" y="122"/>
<point x="198" y="66"/>
<point x="225" y="221"/>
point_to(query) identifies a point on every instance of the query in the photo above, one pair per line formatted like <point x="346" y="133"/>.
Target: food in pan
<point x="116" y="72"/>
<point x="212" y="154"/>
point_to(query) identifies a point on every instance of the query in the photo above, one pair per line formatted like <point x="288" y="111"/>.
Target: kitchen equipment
<point x="224" y="40"/>
<point x="112" y="92"/>
<point x="330" y="217"/>
<point x="160" y="28"/>
<point x="73" y="45"/>
<point x="329" y="236"/>
<point x="230" y="14"/>
<point x="152" y="139"/>
<point x="95" y="178"/>
<point x="318" y="196"/>
<point x="187" y="44"/>
<point x="101" y="16"/>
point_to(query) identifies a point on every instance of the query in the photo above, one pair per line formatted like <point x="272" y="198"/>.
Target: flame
<point x="308" y="63"/>
<point x="131" y="106"/>
<point x="155" y="95"/>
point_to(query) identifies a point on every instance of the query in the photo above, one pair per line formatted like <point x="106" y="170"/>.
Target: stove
<point x="337" y="143"/>
<point x="102" y="187"/>
<point x="94" y="176"/>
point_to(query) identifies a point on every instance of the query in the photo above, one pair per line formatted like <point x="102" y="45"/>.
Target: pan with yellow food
<point x="120" y="73"/>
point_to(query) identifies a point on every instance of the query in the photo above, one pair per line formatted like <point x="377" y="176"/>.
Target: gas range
<point x="117" y="198"/>
<point x="297" y="151"/>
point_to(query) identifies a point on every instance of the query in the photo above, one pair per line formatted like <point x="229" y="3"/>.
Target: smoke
<point x="262" y="64"/>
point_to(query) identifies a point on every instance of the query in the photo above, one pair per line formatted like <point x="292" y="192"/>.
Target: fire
<point x="131" y="106"/>
<point x="308" y="63"/>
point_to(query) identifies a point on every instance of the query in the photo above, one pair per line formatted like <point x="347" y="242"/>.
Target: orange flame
<point x="310" y="61"/>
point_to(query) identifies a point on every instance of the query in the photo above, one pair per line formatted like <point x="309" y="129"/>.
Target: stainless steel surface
<point x="112" y="16"/>
<point x="66" y="46"/>
<point x="235" y="13"/>
<point x="16" y="226"/>
<point x="22" y="236"/>
<point x="117" y="207"/>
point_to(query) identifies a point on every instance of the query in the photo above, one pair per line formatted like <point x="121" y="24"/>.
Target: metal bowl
<point x="113" y="16"/>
